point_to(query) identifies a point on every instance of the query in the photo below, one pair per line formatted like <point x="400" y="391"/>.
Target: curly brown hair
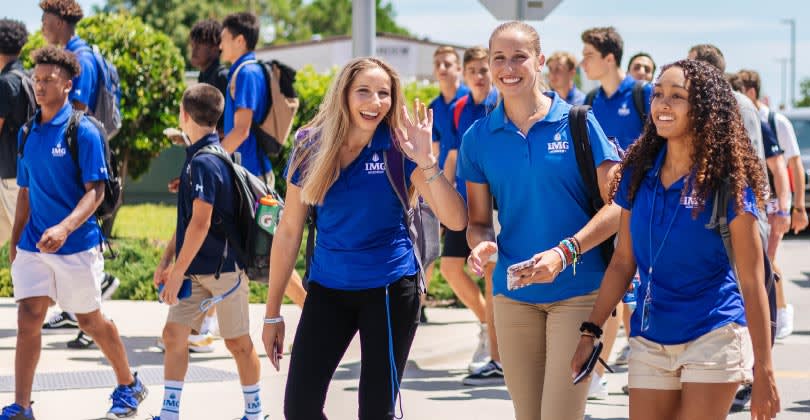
<point x="58" y="57"/>
<point x="13" y="36"/>
<point x="721" y="152"/>
<point x="68" y="10"/>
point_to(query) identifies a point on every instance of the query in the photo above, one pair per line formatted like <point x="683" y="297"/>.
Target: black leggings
<point x="328" y="323"/>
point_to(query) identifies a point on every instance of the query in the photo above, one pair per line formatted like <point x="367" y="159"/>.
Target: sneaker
<point x="81" y="342"/>
<point x="489" y="374"/>
<point x="741" y="398"/>
<point x="626" y="389"/>
<point x="422" y="317"/>
<point x="16" y="412"/>
<point x="784" y="322"/>
<point x="60" y="323"/>
<point x="201" y="343"/>
<point x="481" y="356"/>
<point x="126" y="398"/>
<point x="623" y="356"/>
<point x="597" y="390"/>
<point x="109" y="284"/>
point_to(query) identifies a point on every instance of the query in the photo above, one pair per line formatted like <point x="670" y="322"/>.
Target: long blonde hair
<point x="327" y="132"/>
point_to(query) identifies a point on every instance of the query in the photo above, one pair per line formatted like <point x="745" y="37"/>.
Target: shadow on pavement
<point x="805" y="407"/>
<point x="141" y="351"/>
<point x="4" y="333"/>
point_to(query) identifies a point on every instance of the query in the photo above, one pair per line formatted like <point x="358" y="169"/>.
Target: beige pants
<point x="537" y="342"/>
<point x="8" y="203"/>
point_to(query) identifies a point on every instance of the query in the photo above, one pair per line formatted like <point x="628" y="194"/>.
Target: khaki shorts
<point x="720" y="356"/>
<point x="232" y="312"/>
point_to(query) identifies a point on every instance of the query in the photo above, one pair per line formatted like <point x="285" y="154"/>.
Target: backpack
<point x="274" y="126"/>
<point x="395" y="171"/>
<point x="251" y="243"/>
<point x="459" y="108"/>
<point x="108" y="93"/>
<point x="719" y="222"/>
<point x="638" y="99"/>
<point x="27" y="85"/>
<point x="112" y="185"/>
<point x="578" y="124"/>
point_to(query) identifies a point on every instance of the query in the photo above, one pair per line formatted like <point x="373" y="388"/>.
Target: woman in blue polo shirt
<point x="522" y="155"/>
<point x="363" y="274"/>
<point x="690" y="342"/>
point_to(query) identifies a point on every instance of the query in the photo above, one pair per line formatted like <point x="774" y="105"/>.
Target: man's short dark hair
<point x="245" y="24"/>
<point x="735" y="82"/>
<point x="750" y="80"/>
<point x="68" y="10"/>
<point x="709" y="54"/>
<point x="641" y="54"/>
<point x="13" y="36"/>
<point x="204" y="104"/>
<point x="607" y="41"/>
<point x="207" y="32"/>
<point x="58" y="57"/>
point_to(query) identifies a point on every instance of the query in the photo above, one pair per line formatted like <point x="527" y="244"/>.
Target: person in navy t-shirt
<point x="55" y="249"/>
<point x="690" y="339"/>
<point x="364" y="273"/>
<point x="522" y="156"/>
<point x="562" y="68"/>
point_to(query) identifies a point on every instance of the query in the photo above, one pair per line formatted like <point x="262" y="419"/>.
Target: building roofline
<point x="338" y="38"/>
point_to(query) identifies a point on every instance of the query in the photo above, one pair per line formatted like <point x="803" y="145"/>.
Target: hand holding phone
<point x="512" y="274"/>
<point x="587" y="367"/>
<point x="184" y="292"/>
<point x="273" y="340"/>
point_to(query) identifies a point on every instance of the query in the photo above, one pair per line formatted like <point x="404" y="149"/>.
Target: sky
<point x="748" y="32"/>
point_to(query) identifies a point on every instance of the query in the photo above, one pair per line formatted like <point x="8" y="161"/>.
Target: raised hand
<point x="416" y="138"/>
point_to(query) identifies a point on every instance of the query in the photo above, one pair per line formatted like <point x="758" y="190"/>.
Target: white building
<point x="411" y="57"/>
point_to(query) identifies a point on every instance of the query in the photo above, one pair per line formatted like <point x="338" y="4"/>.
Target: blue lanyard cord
<point x="654" y="258"/>
<point x="206" y="304"/>
<point x="392" y="361"/>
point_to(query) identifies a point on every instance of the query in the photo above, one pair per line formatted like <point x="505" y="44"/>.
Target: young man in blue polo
<point x="55" y="247"/>
<point x="59" y="19"/>
<point x="562" y="69"/>
<point x="197" y="254"/>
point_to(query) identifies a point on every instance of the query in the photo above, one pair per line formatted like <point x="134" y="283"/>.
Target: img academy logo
<point x="557" y="145"/>
<point x="58" y="151"/>
<point x="624" y="110"/>
<point x="376" y="166"/>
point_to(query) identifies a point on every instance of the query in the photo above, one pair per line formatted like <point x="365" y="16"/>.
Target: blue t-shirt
<point x="443" y="122"/>
<point x="48" y="171"/>
<point x="209" y="179"/>
<point x="694" y="290"/>
<point x="471" y="113"/>
<point x="617" y="114"/>
<point x="251" y="93"/>
<point x="540" y="193"/>
<point x="362" y="241"/>
<point x="85" y="85"/>
<point x="575" y="96"/>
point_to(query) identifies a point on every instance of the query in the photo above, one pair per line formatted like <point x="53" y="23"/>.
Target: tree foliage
<point x="804" y="90"/>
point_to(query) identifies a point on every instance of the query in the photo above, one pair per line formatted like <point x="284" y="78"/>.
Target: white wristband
<point x="562" y="257"/>
<point x="277" y="320"/>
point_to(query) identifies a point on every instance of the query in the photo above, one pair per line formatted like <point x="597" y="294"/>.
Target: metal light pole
<point x="783" y="67"/>
<point x="364" y="24"/>
<point x="792" y="23"/>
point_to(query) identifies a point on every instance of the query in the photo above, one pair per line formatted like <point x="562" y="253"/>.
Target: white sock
<point x="207" y="324"/>
<point x="172" y="390"/>
<point x="253" y="403"/>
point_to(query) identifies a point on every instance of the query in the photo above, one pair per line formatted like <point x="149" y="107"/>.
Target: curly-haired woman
<point x="690" y="334"/>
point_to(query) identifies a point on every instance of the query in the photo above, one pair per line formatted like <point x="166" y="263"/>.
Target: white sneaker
<point x="597" y="390"/>
<point x="623" y="356"/>
<point x="784" y="321"/>
<point x="481" y="356"/>
<point x="201" y="343"/>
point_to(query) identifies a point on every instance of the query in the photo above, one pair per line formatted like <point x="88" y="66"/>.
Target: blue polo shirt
<point x="209" y="179"/>
<point x="575" y="96"/>
<point x="443" y="131"/>
<point x="471" y="113"/>
<point x="251" y="92"/>
<point x="85" y="84"/>
<point x="694" y="290"/>
<point x="540" y="193"/>
<point x="362" y="240"/>
<point x="48" y="171"/>
<point x="617" y="114"/>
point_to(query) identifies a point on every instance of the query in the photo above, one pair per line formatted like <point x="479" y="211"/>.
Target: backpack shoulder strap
<point x="719" y="222"/>
<point x="72" y="135"/>
<point x="232" y="83"/>
<point x="638" y="100"/>
<point x="578" y="124"/>
<point x="395" y="170"/>
<point x="26" y="130"/>
<point x="772" y="123"/>
<point x="459" y="108"/>
<point x="590" y="97"/>
<point x="28" y="88"/>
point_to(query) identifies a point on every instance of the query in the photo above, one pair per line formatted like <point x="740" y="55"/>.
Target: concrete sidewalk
<point x="75" y="384"/>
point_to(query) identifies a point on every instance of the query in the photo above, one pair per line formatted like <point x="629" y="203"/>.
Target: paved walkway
<point x="74" y="385"/>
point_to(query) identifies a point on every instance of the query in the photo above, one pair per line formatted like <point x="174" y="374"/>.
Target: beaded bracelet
<point x="434" y="177"/>
<point x="277" y="320"/>
<point x="576" y="243"/>
<point x="591" y="328"/>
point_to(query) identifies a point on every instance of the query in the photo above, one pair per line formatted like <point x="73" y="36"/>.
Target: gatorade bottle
<point x="630" y="295"/>
<point x="267" y="217"/>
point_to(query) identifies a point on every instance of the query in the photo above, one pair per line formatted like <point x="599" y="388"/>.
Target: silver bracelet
<point x="562" y="257"/>
<point x="277" y="320"/>
<point x="434" y="176"/>
<point x="429" y="167"/>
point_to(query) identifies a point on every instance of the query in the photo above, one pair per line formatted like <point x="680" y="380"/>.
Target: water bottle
<point x="267" y="217"/>
<point x="630" y="295"/>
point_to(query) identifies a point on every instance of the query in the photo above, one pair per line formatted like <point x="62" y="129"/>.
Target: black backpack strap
<point x="72" y="137"/>
<point x="638" y="100"/>
<point x="578" y="124"/>
<point x="28" y="88"/>
<point x="26" y="130"/>
<point x="590" y="97"/>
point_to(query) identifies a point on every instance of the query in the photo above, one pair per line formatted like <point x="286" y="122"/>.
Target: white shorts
<point x="73" y="281"/>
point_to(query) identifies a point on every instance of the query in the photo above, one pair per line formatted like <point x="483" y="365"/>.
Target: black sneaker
<point x="490" y="374"/>
<point x="741" y="398"/>
<point x="81" y="342"/>
<point x="422" y="317"/>
<point x="60" y="323"/>
<point x="109" y="285"/>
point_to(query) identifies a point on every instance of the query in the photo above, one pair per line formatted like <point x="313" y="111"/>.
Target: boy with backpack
<point x="93" y="91"/>
<point x="205" y="262"/>
<point x="17" y="105"/>
<point x="55" y="248"/>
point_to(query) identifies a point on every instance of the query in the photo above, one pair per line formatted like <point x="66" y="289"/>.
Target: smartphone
<point x="512" y="278"/>
<point x="184" y="292"/>
<point x="589" y="364"/>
